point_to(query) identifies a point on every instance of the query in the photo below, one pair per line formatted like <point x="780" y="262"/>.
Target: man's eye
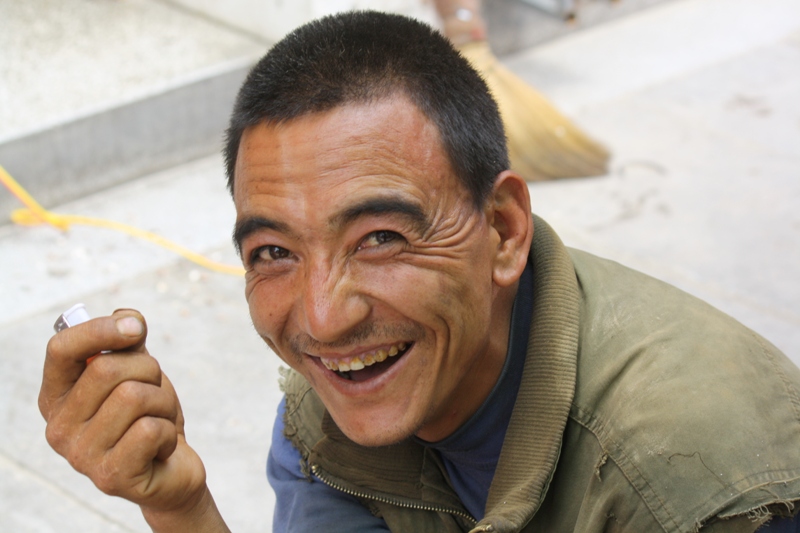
<point x="377" y="238"/>
<point x="270" y="253"/>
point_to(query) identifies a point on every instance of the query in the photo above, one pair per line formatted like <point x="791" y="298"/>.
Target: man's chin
<point x="374" y="433"/>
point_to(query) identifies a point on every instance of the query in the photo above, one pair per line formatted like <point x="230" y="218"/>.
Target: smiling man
<point x="356" y="266"/>
<point x="454" y="367"/>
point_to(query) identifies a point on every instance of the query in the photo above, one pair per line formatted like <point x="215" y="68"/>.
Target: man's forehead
<point x="389" y="140"/>
<point x="383" y="118"/>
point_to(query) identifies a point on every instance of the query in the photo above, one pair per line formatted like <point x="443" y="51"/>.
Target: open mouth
<point x="369" y="365"/>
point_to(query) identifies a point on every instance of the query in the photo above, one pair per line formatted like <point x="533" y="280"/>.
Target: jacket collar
<point x="533" y="440"/>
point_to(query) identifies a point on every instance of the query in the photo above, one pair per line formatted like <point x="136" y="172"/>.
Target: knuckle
<point x="153" y="369"/>
<point x="44" y="404"/>
<point x="150" y="429"/>
<point x="131" y="394"/>
<point x="57" y="436"/>
<point x="104" y="369"/>
<point x="79" y="458"/>
<point x="55" y="347"/>
<point x="172" y="415"/>
<point x="75" y="457"/>
<point x="111" y="476"/>
<point x="106" y="479"/>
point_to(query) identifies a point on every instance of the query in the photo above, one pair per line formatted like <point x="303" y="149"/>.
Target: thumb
<point x="131" y="323"/>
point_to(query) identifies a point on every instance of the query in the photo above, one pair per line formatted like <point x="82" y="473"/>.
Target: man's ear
<point x="510" y="217"/>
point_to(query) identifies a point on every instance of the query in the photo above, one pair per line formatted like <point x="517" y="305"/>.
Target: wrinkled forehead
<point x="388" y="141"/>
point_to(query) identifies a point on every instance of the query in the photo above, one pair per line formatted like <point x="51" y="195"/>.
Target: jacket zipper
<point x="319" y="473"/>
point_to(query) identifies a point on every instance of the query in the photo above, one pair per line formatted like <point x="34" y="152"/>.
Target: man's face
<point x="364" y="251"/>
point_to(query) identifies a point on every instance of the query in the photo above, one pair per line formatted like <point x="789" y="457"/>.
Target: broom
<point x="542" y="143"/>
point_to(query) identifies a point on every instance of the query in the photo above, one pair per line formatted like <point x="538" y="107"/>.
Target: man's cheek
<point x="267" y="329"/>
<point x="265" y="311"/>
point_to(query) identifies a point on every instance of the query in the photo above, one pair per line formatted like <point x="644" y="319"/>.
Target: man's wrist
<point x="198" y="515"/>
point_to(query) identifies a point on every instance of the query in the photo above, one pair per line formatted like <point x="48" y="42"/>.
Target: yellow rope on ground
<point x="34" y="214"/>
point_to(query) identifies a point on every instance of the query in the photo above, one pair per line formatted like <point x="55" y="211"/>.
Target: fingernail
<point x="129" y="326"/>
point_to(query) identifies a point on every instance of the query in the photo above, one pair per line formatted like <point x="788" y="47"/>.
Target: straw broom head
<point x="542" y="143"/>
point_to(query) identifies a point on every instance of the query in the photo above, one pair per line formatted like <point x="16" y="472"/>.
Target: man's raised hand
<point x="118" y="421"/>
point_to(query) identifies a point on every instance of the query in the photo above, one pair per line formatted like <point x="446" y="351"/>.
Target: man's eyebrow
<point x="383" y="206"/>
<point x="250" y="225"/>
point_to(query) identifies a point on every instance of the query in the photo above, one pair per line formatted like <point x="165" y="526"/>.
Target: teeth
<point x="360" y="362"/>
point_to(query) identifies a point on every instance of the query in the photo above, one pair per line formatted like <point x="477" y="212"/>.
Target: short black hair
<point x="361" y="56"/>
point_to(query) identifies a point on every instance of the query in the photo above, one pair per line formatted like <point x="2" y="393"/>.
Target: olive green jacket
<point x="641" y="409"/>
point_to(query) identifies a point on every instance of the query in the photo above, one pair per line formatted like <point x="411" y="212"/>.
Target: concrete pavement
<point x="698" y="100"/>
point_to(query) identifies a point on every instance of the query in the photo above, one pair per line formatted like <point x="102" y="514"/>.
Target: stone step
<point x="96" y="93"/>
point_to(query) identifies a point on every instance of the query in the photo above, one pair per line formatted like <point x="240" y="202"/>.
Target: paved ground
<point x="698" y="99"/>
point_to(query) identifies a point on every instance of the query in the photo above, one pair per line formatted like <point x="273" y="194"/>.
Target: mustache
<point x="303" y="343"/>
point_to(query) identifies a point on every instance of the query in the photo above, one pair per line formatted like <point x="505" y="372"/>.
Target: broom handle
<point x="462" y="20"/>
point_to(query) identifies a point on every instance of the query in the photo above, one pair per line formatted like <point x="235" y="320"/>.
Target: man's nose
<point x="331" y="304"/>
